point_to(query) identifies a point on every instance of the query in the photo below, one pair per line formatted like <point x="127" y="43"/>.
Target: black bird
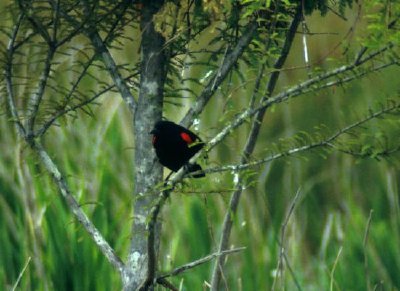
<point x="175" y="145"/>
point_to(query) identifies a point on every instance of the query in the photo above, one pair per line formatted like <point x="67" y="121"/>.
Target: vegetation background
<point x="344" y="230"/>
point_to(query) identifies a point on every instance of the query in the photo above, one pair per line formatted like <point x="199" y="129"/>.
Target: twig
<point x="249" y="148"/>
<point x="36" y="98"/>
<point x="151" y="251"/>
<point x="8" y="78"/>
<point x="75" y="208"/>
<point x="111" y="66"/>
<point x="21" y="274"/>
<point x="326" y="142"/>
<point x="164" y="282"/>
<point x="42" y="130"/>
<point x="220" y="75"/>
<point x="37" y="25"/>
<point x="282" y="254"/>
<point x="106" y="57"/>
<point x="296" y="282"/>
<point x="46" y="160"/>
<point x="298" y="90"/>
<point x="198" y="262"/>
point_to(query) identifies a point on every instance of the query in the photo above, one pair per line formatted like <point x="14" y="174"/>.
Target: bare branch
<point x="225" y="68"/>
<point x="75" y="208"/>
<point x="199" y="262"/>
<point x="46" y="160"/>
<point x="282" y="253"/>
<point x="249" y="147"/>
<point x="164" y="282"/>
<point x="151" y="241"/>
<point x="111" y="66"/>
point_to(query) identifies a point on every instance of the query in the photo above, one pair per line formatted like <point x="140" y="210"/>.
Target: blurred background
<point x="344" y="233"/>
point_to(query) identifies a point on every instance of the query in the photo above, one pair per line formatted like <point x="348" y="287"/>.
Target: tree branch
<point x="111" y="66"/>
<point x="46" y="125"/>
<point x="225" y="68"/>
<point x="249" y="148"/>
<point x="306" y="86"/>
<point x="199" y="262"/>
<point x="282" y="254"/>
<point x="324" y="143"/>
<point x="105" y="55"/>
<point x="75" y="208"/>
<point x="48" y="163"/>
<point x="36" y="98"/>
<point x="8" y="78"/>
<point x="300" y="89"/>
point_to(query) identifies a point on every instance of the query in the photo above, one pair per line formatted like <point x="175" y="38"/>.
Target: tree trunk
<point x="147" y="171"/>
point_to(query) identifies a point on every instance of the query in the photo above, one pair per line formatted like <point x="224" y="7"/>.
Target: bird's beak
<point x="153" y="131"/>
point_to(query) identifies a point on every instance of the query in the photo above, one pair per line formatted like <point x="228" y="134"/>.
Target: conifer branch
<point x="312" y="85"/>
<point x="46" y="160"/>
<point x="102" y="50"/>
<point x="328" y="142"/>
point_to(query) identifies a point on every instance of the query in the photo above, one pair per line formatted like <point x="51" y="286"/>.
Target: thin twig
<point x="282" y="253"/>
<point x="42" y="130"/>
<point x="199" y="262"/>
<point x="106" y="56"/>
<point x="296" y="282"/>
<point x="75" y="208"/>
<point x="220" y="75"/>
<point x="151" y="240"/>
<point x="8" y="77"/>
<point x="328" y="142"/>
<point x="164" y="282"/>
<point x="36" y="98"/>
<point x="249" y="148"/>
<point x="302" y="88"/>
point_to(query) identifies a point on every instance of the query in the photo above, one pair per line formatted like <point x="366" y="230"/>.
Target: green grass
<point x="331" y="216"/>
<point x="325" y="239"/>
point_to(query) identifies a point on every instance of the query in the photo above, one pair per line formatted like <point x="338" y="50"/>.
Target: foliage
<point x="330" y="134"/>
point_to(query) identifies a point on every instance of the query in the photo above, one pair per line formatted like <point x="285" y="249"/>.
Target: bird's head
<point x="159" y="129"/>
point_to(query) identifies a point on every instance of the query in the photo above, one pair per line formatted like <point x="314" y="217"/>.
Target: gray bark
<point x="147" y="171"/>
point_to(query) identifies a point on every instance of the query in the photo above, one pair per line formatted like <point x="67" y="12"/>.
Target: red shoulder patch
<point x="186" y="137"/>
<point x="153" y="141"/>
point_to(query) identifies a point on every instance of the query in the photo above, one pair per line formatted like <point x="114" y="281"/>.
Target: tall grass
<point x="343" y="234"/>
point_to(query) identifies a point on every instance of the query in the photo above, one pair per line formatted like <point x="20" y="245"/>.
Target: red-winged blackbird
<point x="175" y="145"/>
